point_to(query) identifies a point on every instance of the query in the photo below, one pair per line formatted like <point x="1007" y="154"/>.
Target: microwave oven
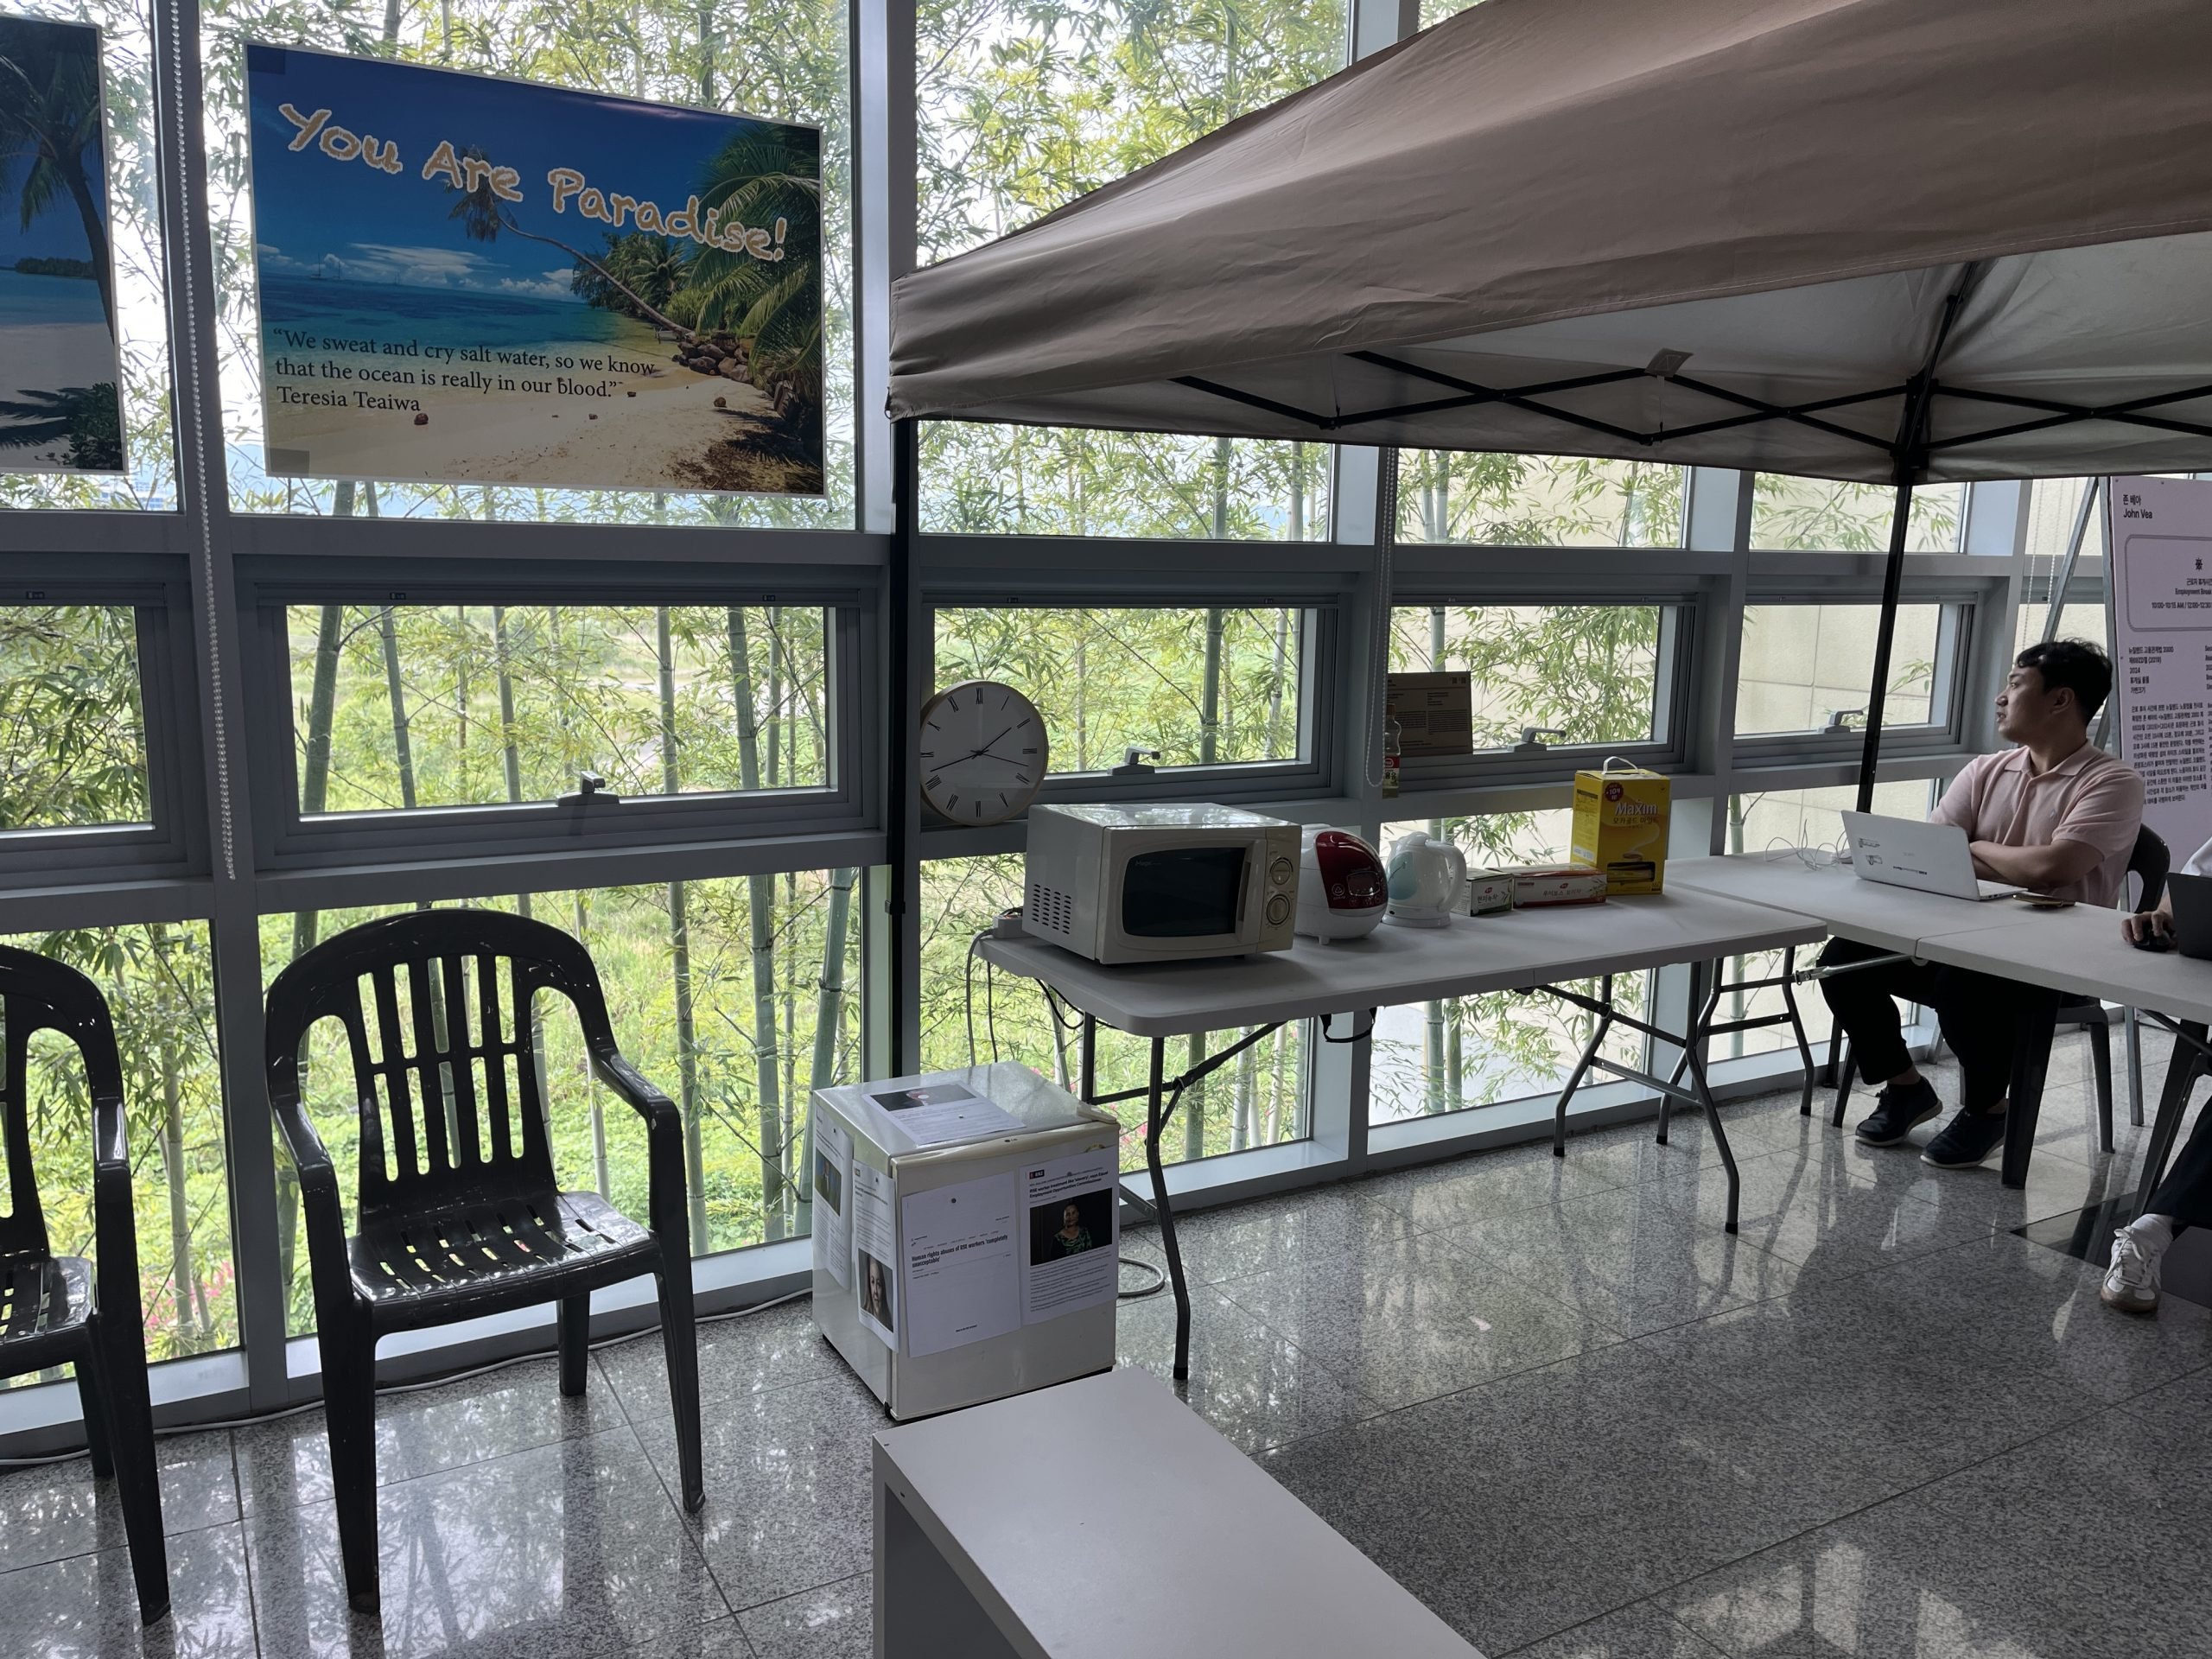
<point x="1159" y="883"/>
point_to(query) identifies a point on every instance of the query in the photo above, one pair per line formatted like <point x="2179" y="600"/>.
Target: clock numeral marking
<point x="1002" y="798"/>
<point x="952" y="801"/>
<point x="1025" y="720"/>
<point x="1005" y="701"/>
<point x="929" y="754"/>
<point x="1029" y="751"/>
<point x="979" y="809"/>
<point x="953" y="703"/>
<point x="931" y="724"/>
<point x="931" y="783"/>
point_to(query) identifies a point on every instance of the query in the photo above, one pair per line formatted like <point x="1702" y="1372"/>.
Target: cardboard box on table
<point x="1620" y="826"/>
<point x="1053" y="1124"/>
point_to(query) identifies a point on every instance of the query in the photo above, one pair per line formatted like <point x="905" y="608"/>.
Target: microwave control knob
<point x="1280" y="873"/>
<point x="1278" y="909"/>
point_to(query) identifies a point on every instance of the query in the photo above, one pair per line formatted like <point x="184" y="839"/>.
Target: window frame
<point x="609" y="824"/>
<point x="174" y="843"/>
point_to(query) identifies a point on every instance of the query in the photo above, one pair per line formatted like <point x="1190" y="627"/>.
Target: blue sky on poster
<point x="349" y="220"/>
<point x="58" y="232"/>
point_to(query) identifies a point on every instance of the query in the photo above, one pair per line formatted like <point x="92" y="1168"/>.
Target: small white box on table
<point x="966" y="1234"/>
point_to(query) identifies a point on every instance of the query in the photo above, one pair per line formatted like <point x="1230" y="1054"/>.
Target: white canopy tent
<point x="1901" y="241"/>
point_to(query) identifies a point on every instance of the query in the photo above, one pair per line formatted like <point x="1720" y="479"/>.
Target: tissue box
<point x="1620" y="827"/>
<point x="1536" y="886"/>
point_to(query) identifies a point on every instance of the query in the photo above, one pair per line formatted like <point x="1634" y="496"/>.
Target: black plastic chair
<point x="60" y="1310"/>
<point x="2148" y="863"/>
<point x="459" y="1211"/>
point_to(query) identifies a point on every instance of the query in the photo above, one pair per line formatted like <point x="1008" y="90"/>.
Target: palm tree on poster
<point x="757" y="180"/>
<point x="87" y="418"/>
<point x="483" y="216"/>
<point x="50" y="129"/>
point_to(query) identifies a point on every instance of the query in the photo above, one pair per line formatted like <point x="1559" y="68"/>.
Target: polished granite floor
<point x="1552" y="1398"/>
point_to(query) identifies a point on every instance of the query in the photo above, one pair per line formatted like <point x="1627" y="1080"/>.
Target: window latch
<point x="1132" y="763"/>
<point x="1532" y="740"/>
<point x="1840" y="722"/>
<point x="590" y="787"/>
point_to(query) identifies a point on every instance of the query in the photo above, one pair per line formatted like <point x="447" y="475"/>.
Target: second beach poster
<point x="467" y="280"/>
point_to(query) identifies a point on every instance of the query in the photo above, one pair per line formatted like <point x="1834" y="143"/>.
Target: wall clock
<point x="983" y="752"/>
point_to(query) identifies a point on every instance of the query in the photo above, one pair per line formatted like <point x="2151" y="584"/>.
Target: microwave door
<point x="1185" y="897"/>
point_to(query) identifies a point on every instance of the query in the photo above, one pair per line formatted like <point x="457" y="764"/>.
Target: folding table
<point x="1531" y="951"/>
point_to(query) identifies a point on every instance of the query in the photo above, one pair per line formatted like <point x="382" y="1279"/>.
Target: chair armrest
<point x="626" y="1080"/>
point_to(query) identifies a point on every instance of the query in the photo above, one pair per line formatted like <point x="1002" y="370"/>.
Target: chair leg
<point x="680" y="1337"/>
<point x="349" y="1413"/>
<point x="137" y="1477"/>
<point x="576" y="1343"/>
<point x="1844" y="1070"/>
<point x="2100" y="1063"/>
<point x="93" y="1399"/>
<point x="2134" y="1028"/>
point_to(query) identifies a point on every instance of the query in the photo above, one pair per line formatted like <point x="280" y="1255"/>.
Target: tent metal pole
<point x="899" y="738"/>
<point x="1892" y="580"/>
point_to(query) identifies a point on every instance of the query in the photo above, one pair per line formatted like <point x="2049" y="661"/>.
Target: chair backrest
<point x="39" y="994"/>
<point x="2151" y="862"/>
<point x="436" y="1008"/>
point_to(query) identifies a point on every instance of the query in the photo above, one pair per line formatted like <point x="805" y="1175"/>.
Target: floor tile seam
<point x="168" y="1538"/>
<point x="694" y="1530"/>
<point x="792" y="1595"/>
<point x="2127" y="1402"/>
<point x="1651" y="1601"/>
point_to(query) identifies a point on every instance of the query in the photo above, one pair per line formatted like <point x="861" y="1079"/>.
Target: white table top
<point x="2080" y="950"/>
<point x="1110" y="1521"/>
<point x="1890" y="918"/>
<point x="1395" y="965"/>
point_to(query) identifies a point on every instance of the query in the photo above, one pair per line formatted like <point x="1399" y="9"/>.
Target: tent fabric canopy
<point x="1722" y="232"/>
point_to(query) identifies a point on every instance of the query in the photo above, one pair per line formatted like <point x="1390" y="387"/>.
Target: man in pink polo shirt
<point x="2054" y="814"/>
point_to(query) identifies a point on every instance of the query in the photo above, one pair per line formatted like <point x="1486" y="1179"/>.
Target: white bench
<point x="1103" y="1519"/>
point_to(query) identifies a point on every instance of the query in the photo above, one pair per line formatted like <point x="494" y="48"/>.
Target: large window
<point x="399" y="707"/>
<point x="1804" y="664"/>
<point x="735" y="998"/>
<point x="142" y="333"/>
<point x="1024" y="107"/>
<point x="159" y="984"/>
<point x="971" y="1013"/>
<point x="787" y="61"/>
<point x="75" y="752"/>
<point x="1595" y="674"/>
<point x="1817" y="515"/>
<point x="1203" y="686"/>
<point x="1502" y="500"/>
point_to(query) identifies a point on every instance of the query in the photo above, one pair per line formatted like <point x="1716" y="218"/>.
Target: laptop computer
<point x="1913" y="853"/>
<point x="2191" y="897"/>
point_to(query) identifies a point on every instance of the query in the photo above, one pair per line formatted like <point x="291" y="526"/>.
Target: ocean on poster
<point x="468" y="280"/>
<point x="61" y="410"/>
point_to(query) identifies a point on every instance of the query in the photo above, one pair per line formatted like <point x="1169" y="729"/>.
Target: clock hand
<point x="978" y="754"/>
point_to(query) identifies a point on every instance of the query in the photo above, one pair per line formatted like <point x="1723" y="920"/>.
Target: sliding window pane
<point x="159" y="983"/>
<point x="1803" y="662"/>
<point x="1203" y="686"/>
<point x="1809" y="515"/>
<point x="1501" y="501"/>
<point x="75" y="753"/>
<point x="735" y="998"/>
<point x="1590" y="672"/>
<point x="971" y="1014"/>
<point x="405" y="706"/>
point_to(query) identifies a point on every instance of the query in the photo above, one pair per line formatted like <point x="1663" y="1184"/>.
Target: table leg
<point x="1155" y="1121"/>
<point x="2031" y="1064"/>
<point x="1694" y="1049"/>
<point x="1582" y="1070"/>
<point x="2183" y="1067"/>
<point x="1797" y="1027"/>
<point x="1087" y="1051"/>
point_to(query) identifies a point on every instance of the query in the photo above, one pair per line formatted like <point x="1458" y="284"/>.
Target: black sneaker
<point x="1967" y="1140"/>
<point x="1899" y="1109"/>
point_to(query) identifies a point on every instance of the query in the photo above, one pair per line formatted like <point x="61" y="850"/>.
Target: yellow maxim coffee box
<point x="1620" y="826"/>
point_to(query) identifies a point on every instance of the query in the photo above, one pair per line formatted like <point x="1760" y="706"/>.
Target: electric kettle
<point x="1424" y="878"/>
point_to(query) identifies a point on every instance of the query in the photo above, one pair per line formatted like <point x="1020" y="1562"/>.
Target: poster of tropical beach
<point x="60" y="409"/>
<point x="469" y="280"/>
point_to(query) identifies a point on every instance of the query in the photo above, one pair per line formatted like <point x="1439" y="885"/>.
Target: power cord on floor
<point x="428" y="1383"/>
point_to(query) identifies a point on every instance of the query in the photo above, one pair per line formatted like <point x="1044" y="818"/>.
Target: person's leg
<point x="1864" y="1006"/>
<point x="2182" y="1199"/>
<point x="1981" y="1018"/>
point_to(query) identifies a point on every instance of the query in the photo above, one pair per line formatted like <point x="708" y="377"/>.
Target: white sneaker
<point x="2131" y="1283"/>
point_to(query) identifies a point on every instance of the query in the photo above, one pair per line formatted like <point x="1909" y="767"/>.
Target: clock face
<point x="983" y="752"/>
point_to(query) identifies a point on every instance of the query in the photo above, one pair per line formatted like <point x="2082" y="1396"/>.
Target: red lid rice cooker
<point x="1342" y="891"/>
